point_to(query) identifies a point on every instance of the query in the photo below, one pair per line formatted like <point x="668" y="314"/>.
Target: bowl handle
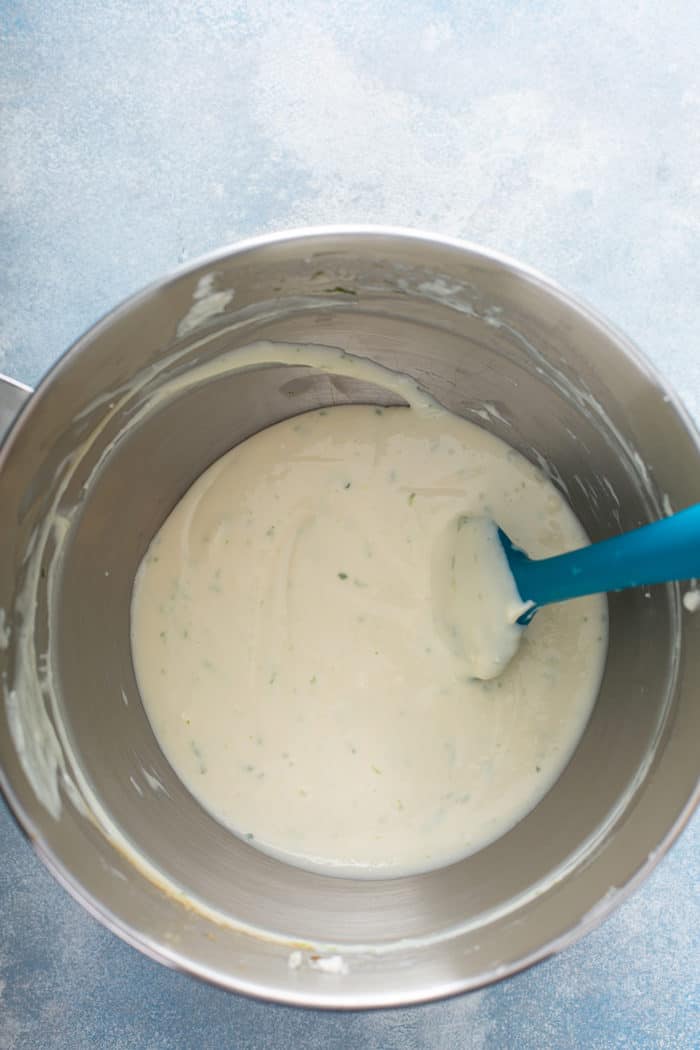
<point x="12" y="397"/>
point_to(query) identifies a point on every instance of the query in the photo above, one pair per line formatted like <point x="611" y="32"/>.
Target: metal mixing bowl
<point x="108" y="444"/>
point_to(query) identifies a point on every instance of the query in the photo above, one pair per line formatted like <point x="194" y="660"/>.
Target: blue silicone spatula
<point x="657" y="553"/>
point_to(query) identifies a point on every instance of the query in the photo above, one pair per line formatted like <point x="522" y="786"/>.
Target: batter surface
<point x="294" y="660"/>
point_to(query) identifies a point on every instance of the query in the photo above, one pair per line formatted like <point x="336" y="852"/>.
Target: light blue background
<point x="136" y="135"/>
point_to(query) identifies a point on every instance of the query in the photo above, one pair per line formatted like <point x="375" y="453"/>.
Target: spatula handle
<point x="665" y="550"/>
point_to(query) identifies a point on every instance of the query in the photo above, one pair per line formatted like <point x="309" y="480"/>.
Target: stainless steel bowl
<point x="108" y="444"/>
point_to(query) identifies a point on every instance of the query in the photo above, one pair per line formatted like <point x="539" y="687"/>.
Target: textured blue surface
<point x="134" y="136"/>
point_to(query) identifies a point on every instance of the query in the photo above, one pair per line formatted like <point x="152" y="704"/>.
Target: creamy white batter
<point x="476" y="601"/>
<point x="291" y="649"/>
